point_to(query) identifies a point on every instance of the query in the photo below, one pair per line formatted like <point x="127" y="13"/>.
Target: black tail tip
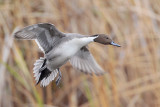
<point x="44" y="74"/>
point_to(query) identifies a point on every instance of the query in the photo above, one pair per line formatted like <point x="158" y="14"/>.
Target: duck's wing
<point x="45" y="35"/>
<point x="84" y="61"/>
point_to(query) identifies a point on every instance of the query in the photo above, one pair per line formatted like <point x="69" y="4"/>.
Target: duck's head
<point x="104" y="39"/>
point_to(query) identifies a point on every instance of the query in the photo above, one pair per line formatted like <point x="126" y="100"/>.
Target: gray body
<point x="58" y="56"/>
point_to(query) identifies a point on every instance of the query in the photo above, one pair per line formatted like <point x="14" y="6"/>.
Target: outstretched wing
<point x="45" y="35"/>
<point x="85" y="62"/>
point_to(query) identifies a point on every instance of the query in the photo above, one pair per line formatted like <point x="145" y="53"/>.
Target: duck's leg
<point x="59" y="77"/>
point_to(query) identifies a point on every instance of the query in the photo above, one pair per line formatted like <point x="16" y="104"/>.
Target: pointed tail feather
<point x="42" y="74"/>
<point x="46" y="80"/>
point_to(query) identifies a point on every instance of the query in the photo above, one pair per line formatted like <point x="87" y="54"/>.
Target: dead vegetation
<point x="133" y="78"/>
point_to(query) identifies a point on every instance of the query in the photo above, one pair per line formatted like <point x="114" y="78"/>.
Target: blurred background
<point x="133" y="71"/>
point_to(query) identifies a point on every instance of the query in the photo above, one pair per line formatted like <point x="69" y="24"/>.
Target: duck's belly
<point x="61" y="56"/>
<point x="57" y="62"/>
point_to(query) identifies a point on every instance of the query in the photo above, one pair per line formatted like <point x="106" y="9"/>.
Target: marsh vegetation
<point x="133" y="71"/>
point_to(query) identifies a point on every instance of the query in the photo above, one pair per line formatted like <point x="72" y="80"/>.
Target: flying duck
<point x="58" y="48"/>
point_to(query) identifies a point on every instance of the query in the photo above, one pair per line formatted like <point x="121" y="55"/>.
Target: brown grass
<point x="133" y="78"/>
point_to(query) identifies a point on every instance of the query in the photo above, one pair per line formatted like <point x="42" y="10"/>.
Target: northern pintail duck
<point x="58" y="48"/>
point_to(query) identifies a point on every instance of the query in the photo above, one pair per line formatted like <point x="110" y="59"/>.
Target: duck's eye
<point x="106" y="37"/>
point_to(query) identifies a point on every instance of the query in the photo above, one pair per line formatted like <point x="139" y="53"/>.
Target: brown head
<point x="104" y="39"/>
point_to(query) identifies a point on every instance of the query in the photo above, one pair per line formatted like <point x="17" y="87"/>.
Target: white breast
<point x="71" y="47"/>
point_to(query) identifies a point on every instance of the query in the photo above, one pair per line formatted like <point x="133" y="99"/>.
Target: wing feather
<point x="85" y="62"/>
<point x="45" y="35"/>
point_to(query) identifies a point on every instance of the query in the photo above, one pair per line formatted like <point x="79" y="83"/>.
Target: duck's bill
<point x="114" y="44"/>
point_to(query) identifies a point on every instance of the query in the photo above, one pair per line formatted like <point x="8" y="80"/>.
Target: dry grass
<point x="133" y="78"/>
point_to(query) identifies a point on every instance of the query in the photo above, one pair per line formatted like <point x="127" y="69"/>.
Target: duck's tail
<point x="42" y="73"/>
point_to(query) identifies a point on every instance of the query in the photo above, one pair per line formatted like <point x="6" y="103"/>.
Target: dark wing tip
<point x="16" y="35"/>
